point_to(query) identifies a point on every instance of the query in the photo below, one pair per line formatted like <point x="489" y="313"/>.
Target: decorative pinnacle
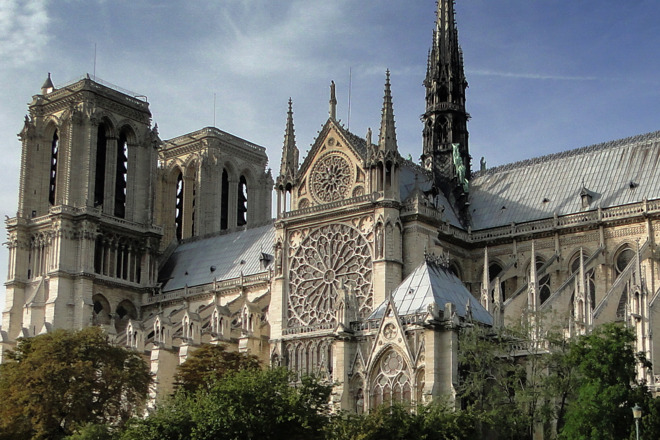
<point x="333" y="101"/>
<point x="387" y="137"/>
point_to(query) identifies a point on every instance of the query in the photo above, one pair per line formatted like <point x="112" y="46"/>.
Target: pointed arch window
<point x="193" y="232"/>
<point x="178" y="216"/>
<point x="99" y="177"/>
<point x="392" y="382"/>
<point x="241" y="214"/>
<point x="121" y="176"/>
<point x="224" y="201"/>
<point x="54" y="153"/>
<point x="544" y="282"/>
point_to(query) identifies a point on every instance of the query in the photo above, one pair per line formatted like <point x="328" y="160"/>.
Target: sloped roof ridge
<point x="359" y="143"/>
<point x="570" y="153"/>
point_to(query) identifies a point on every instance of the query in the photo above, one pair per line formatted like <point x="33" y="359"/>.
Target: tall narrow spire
<point x="333" y="101"/>
<point x="289" y="164"/>
<point x="387" y="137"/>
<point x="445" y="118"/>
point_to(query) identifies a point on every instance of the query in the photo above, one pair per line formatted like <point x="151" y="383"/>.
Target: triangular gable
<point x="390" y="335"/>
<point x="346" y="139"/>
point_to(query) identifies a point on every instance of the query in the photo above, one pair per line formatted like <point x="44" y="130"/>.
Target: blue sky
<point x="544" y="75"/>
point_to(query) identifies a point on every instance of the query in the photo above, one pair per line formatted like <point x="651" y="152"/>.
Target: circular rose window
<point x="331" y="178"/>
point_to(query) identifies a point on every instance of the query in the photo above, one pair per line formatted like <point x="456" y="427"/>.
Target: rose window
<point x="331" y="178"/>
<point x="392" y="364"/>
<point x="327" y="259"/>
<point x="389" y="331"/>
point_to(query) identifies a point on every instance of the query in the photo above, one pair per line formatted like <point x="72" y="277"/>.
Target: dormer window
<point x="586" y="197"/>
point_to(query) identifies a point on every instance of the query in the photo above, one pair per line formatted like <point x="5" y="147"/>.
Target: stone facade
<point x="373" y="265"/>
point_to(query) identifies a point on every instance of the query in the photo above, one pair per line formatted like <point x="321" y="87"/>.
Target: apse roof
<point x="432" y="283"/>
<point x="222" y="257"/>
<point x="611" y="174"/>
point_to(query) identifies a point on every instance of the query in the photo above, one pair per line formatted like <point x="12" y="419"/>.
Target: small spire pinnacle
<point x="289" y="164"/>
<point x="387" y="137"/>
<point x="333" y="101"/>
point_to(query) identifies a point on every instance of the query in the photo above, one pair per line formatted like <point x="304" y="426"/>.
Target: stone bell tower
<point x="83" y="244"/>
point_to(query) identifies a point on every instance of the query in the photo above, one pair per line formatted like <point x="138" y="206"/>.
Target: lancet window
<point x="310" y="357"/>
<point x="224" y="201"/>
<point x="121" y="175"/>
<point x="99" y="177"/>
<point x="241" y="214"/>
<point x="178" y="216"/>
<point x="54" y="153"/>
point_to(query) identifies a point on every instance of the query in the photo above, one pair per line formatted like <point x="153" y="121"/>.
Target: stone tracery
<point x="391" y="381"/>
<point x="331" y="178"/>
<point x="328" y="258"/>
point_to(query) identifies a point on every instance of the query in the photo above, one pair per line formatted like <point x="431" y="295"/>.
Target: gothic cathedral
<point x="373" y="264"/>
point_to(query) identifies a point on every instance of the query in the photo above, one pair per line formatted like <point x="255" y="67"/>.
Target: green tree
<point x="209" y="363"/>
<point x="56" y="383"/>
<point x="608" y="389"/>
<point x="247" y="404"/>
<point x="436" y="421"/>
<point x="500" y="380"/>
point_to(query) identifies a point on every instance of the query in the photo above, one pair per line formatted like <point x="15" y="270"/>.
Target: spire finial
<point x="333" y="101"/>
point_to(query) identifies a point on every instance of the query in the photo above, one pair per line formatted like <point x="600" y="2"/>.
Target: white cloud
<point x="23" y="31"/>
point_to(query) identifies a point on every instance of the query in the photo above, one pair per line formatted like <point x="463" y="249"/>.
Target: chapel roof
<point x="220" y="257"/>
<point x="610" y="174"/>
<point x="432" y="282"/>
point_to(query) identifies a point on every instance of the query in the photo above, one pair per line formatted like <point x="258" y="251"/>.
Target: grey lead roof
<point x="412" y="177"/>
<point x="429" y="283"/>
<point x="229" y="254"/>
<point x="613" y="173"/>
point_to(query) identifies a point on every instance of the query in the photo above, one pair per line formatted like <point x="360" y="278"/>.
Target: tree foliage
<point x="209" y="363"/>
<point x="581" y="389"/>
<point x="436" y="421"/>
<point x="608" y="389"/>
<point x="56" y="383"/>
<point x="247" y="404"/>
<point x="500" y="385"/>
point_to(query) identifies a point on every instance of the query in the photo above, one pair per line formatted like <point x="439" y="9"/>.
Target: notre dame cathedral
<point x="370" y="269"/>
